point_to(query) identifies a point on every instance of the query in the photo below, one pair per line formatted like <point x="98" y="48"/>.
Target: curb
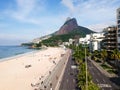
<point x="101" y="69"/>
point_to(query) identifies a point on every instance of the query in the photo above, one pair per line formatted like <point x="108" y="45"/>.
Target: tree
<point x="39" y="44"/>
<point x="93" y="86"/>
<point x="103" y="55"/>
<point x="116" y="56"/>
<point x="79" y="55"/>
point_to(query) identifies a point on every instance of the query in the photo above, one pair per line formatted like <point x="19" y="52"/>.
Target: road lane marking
<point x="73" y="80"/>
<point x="104" y="85"/>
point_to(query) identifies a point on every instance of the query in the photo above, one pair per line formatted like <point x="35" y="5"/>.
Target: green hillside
<point x="58" y="39"/>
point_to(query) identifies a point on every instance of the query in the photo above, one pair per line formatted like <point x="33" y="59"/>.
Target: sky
<point x="23" y="20"/>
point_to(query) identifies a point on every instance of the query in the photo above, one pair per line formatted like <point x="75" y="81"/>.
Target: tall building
<point x="118" y="27"/>
<point x="110" y="40"/>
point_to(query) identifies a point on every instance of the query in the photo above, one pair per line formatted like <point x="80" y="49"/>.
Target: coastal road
<point x="69" y="78"/>
<point x="100" y="79"/>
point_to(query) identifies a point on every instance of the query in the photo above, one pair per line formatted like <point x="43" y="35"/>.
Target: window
<point x="118" y="30"/>
<point x="119" y="26"/>
<point x="118" y="35"/>
<point x="118" y="17"/>
<point x="118" y="21"/>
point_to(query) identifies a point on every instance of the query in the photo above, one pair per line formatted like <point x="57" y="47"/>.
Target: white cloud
<point x="95" y="13"/>
<point x="12" y="36"/>
<point x="99" y="27"/>
<point x="69" y="4"/>
<point x="25" y="10"/>
<point x="29" y="11"/>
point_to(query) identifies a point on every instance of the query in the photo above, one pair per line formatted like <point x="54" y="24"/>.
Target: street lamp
<point x="85" y="45"/>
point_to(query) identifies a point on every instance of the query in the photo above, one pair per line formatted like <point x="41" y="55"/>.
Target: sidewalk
<point x="102" y="70"/>
<point x="62" y="72"/>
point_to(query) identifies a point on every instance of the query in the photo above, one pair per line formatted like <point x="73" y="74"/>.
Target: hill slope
<point x="67" y="27"/>
<point x="58" y="39"/>
<point x="70" y="29"/>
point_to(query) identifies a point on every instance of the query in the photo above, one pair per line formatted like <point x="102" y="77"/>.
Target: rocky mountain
<point x="68" y="26"/>
<point x="70" y="29"/>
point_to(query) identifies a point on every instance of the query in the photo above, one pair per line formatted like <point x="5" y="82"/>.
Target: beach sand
<point x="21" y="73"/>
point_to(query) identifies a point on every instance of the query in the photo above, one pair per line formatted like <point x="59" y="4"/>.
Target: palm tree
<point x="103" y="55"/>
<point x="95" y="55"/>
<point x="116" y="56"/>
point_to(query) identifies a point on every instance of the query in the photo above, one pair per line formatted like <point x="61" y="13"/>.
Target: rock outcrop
<point x="68" y="26"/>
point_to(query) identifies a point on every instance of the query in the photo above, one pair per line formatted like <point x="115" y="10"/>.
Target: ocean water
<point x="8" y="51"/>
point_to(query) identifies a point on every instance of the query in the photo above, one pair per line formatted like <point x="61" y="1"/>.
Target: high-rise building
<point x="110" y="40"/>
<point x="118" y="28"/>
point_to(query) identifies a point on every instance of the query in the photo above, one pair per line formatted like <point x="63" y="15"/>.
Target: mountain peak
<point x="68" y="26"/>
<point x="68" y="18"/>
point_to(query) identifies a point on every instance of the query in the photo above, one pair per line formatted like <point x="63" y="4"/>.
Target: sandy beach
<point x="21" y="73"/>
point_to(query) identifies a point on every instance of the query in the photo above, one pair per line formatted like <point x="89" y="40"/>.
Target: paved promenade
<point x="52" y="82"/>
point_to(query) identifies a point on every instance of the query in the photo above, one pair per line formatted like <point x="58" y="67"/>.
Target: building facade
<point x="110" y="40"/>
<point x="93" y="40"/>
<point x="118" y="28"/>
<point x="96" y="41"/>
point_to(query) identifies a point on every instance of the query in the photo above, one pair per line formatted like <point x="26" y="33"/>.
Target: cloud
<point x="12" y="36"/>
<point x="93" y="12"/>
<point x="41" y="17"/>
<point x="12" y="39"/>
<point x="25" y="10"/>
<point x="31" y="12"/>
<point x="69" y="4"/>
<point x="99" y="27"/>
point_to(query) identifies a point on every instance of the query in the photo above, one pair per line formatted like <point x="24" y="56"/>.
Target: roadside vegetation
<point x="79" y="57"/>
<point x="109" y="61"/>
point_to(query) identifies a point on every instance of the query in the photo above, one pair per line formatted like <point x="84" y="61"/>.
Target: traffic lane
<point x="100" y="78"/>
<point x="68" y="82"/>
<point x="70" y="77"/>
<point x="96" y="74"/>
<point x="107" y="81"/>
<point x="96" y="78"/>
<point x="73" y="75"/>
<point x="64" y="80"/>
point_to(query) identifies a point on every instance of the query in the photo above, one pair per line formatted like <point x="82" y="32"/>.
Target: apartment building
<point x="110" y="40"/>
<point x="93" y="40"/>
<point x="118" y="28"/>
<point x="96" y="41"/>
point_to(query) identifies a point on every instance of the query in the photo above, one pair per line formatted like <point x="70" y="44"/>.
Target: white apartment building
<point x="86" y="39"/>
<point x="71" y="41"/>
<point x="93" y="40"/>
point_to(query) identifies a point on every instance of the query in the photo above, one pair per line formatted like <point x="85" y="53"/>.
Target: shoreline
<point x="23" y="71"/>
<point x="17" y="56"/>
<point x="20" y="55"/>
<point x="11" y="51"/>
